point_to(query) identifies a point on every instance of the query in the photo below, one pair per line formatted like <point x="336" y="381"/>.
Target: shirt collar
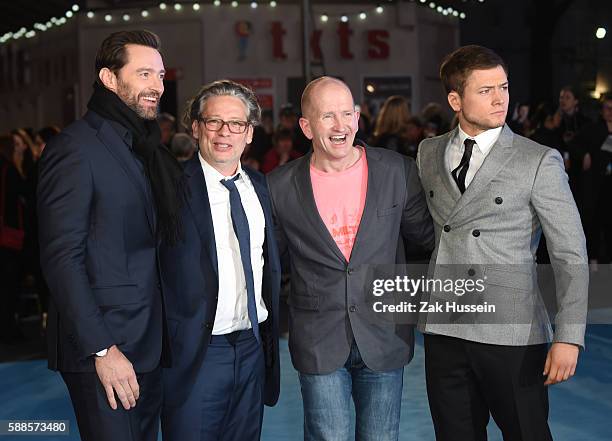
<point x="484" y="141"/>
<point x="212" y="174"/>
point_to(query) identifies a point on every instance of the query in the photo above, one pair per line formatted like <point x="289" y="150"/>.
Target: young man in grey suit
<point x="491" y="194"/>
<point x="338" y="210"/>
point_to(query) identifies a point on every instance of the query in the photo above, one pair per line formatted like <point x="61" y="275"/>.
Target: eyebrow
<point x="341" y="111"/>
<point x="491" y="87"/>
<point x="149" y="69"/>
<point x="231" y="118"/>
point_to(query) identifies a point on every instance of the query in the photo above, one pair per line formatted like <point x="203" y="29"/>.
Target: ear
<point x="249" y="136"/>
<point x="305" y="126"/>
<point x="454" y="100"/>
<point x="108" y="78"/>
<point x="194" y="129"/>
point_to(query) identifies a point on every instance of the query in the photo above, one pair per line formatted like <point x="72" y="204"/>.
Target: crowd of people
<point x="585" y="144"/>
<point x="393" y="127"/>
<point x="20" y="151"/>
<point x="164" y="266"/>
<point x="586" y="148"/>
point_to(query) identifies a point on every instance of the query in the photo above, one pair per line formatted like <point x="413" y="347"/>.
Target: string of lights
<point x="126" y="16"/>
<point x="379" y="9"/>
<point x="444" y="11"/>
<point x="41" y="27"/>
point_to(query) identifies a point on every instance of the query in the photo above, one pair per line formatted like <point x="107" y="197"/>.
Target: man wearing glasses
<point x="222" y="281"/>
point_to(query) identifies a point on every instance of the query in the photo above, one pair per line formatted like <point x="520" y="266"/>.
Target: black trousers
<point x="467" y="381"/>
<point x="10" y="272"/>
<point x="98" y="422"/>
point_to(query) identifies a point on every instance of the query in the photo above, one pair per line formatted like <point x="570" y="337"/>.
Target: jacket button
<point x="498" y="200"/>
<point x="208" y="325"/>
<point x="350" y="270"/>
<point x="431" y="193"/>
<point x="447" y="228"/>
<point x="471" y="272"/>
<point x="353" y="308"/>
<point x="476" y="233"/>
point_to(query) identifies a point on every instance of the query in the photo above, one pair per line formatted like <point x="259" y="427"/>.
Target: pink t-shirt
<point x="340" y="198"/>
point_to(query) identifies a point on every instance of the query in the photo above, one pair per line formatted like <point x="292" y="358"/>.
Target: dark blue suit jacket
<point x="98" y="248"/>
<point x="191" y="285"/>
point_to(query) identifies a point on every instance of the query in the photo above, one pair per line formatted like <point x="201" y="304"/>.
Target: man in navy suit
<point x="222" y="282"/>
<point x="107" y="193"/>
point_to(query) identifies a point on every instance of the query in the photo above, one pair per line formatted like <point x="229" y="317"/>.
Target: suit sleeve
<point x="65" y="194"/>
<point x="281" y="238"/>
<point x="418" y="158"/>
<point x="417" y="225"/>
<point x="557" y="212"/>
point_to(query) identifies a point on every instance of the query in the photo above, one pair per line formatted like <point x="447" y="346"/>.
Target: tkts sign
<point x="378" y="44"/>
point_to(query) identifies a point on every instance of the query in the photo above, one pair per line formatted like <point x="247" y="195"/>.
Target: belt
<point x="233" y="337"/>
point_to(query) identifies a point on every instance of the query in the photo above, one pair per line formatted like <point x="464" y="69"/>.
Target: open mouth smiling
<point x="337" y="139"/>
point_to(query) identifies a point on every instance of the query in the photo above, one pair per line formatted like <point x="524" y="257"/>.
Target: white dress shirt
<point x="232" y="313"/>
<point x="481" y="149"/>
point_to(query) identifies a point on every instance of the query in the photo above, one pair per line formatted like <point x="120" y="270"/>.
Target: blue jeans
<point x="377" y="397"/>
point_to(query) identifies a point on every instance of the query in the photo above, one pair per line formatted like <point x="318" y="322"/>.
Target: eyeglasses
<point x="216" y="124"/>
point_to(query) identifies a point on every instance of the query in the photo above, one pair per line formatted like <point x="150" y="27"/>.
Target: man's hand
<point x="560" y="362"/>
<point x="117" y="375"/>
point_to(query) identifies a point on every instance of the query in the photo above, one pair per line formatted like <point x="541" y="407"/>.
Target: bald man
<point x="339" y="209"/>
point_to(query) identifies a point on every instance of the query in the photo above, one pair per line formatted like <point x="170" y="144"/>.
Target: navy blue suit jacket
<point x="191" y="285"/>
<point x="98" y="248"/>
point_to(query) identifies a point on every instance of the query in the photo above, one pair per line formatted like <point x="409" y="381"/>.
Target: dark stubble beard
<point x="132" y="101"/>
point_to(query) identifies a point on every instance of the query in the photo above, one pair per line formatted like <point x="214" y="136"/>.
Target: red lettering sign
<point x="378" y="42"/>
<point x="379" y="46"/>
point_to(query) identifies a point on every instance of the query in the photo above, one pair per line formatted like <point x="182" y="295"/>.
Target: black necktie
<point x="461" y="171"/>
<point x="241" y="228"/>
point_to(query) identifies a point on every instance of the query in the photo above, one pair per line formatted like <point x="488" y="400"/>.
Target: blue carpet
<point x="581" y="409"/>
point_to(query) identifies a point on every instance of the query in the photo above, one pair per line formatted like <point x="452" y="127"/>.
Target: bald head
<point x="330" y="120"/>
<point x="316" y="87"/>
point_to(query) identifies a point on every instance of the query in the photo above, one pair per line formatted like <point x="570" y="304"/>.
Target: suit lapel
<point x="261" y="191"/>
<point x="442" y="169"/>
<point x="121" y="152"/>
<point x="264" y="201"/>
<point x="270" y="249"/>
<point x="501" y="152"/>
<point x="376" y="174"/>
<point x="310" y="212"/>
<point x="199" y="205"/>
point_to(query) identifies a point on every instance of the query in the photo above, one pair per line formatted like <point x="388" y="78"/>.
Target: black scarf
<point x="162" y="168"/>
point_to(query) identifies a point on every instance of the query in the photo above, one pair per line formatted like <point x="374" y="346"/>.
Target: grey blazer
<point x="328" y="303"/>
<point x="493" y="230"/>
